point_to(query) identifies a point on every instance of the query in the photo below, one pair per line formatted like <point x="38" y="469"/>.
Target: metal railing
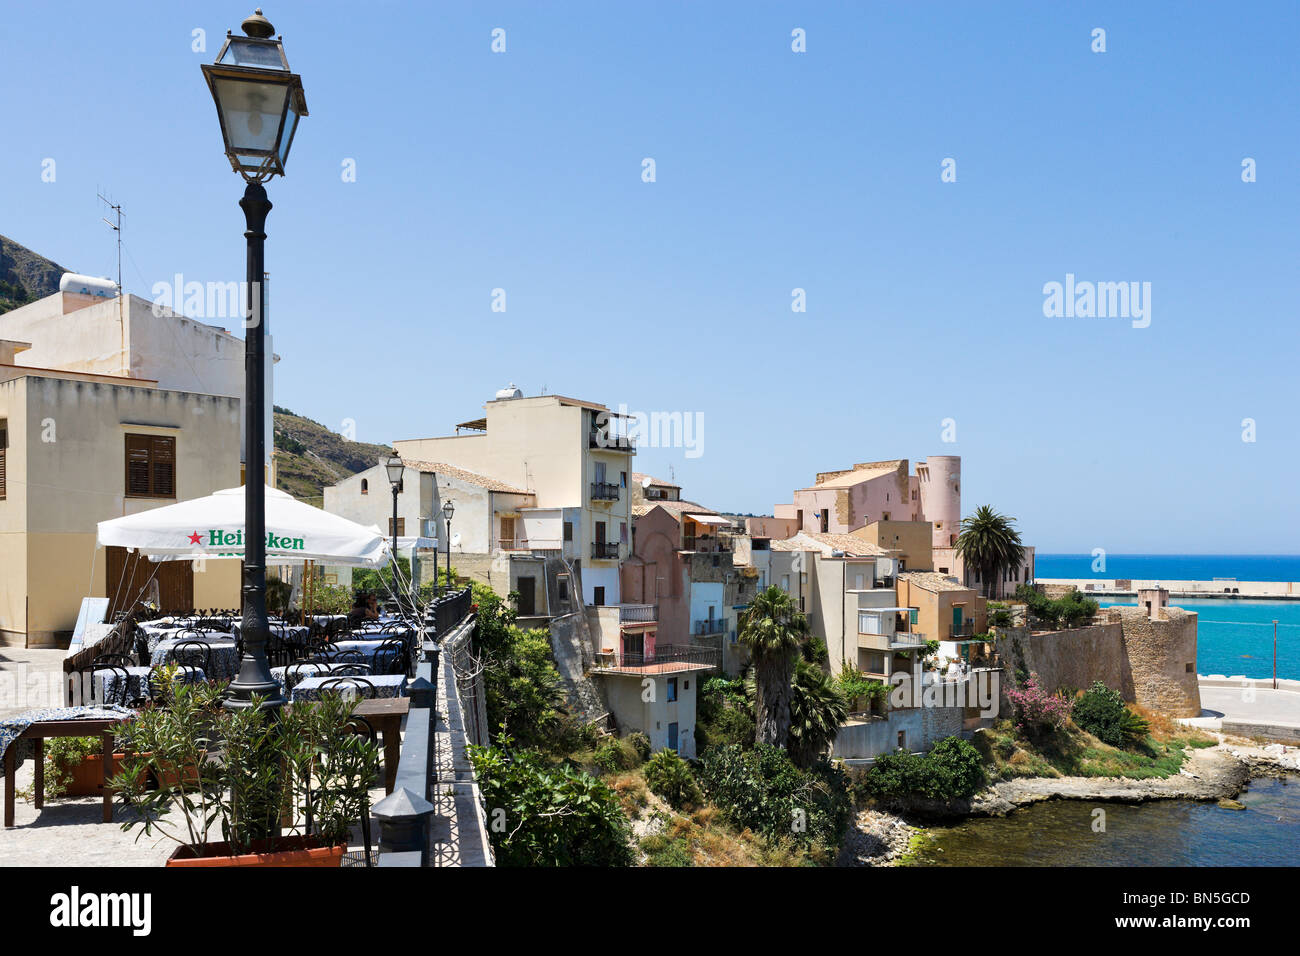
<point x="906" y="639"/>
<point x="601" y="550"/>
<point x="964" y="629"/>
<point x="672" y="654"/>
<point x="708" y="625"/>
<point x="447" y="611"/>
<point x="604" y="491"/>
<point x="599" y="438"/>
<point x="638" y="613"/>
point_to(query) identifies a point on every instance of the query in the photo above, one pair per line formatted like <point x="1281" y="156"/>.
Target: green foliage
<point x="669" y="776"/>
<point x="1000" y="618"/>
<point x="814" y="652"/>
<point x="1102" y="712"/>
<point x="817" y="708"/>
<point x="381" y="582"/>
<point x="641" y="744"/>
<point x="242" y="776"/>
<point x="613" y="755"/>
<point x="763" y="790"/>
<point x="662" y="850"/>
<point x="990" y="542"/>
<point x="952" y="769"/>
<point x="544" y="815"/>
<point x="62" y="756"/>
<point x="1070" y="610"/>
<point x="724" y="714"/>
<point x="862" y="692"/>
<point x="331" y="599"/>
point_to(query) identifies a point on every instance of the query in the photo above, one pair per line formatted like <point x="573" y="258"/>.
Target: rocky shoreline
<point x="879" y="837"/>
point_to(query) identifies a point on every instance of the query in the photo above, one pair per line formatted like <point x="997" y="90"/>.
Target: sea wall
<point x="921" y="728"/>
<point x="1150" y="662"/>
<point x="1123" y="587"/>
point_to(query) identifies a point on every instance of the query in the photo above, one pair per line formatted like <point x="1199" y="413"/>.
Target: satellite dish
<point x="646" y="481"/>
<point x="455" y="538"/>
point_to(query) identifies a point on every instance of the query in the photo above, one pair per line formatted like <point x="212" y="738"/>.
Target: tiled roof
<point x="851" y="545"/>
<point x="858" y="475"/>
<point x="674" y="508"/>
<point x="640" y="478"/>
<point x="932" y="581"/>
<point x="460" y="474"/>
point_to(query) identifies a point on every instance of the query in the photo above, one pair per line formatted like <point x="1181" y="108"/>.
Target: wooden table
<point x="37" y="733"/>
<point x="385" y="715"/>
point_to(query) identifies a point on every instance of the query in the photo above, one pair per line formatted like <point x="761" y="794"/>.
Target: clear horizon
<point x="775" y="171"/>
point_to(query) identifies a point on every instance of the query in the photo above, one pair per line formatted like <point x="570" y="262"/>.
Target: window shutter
<point x="4" y="445"/>
<point x="164" y="467"/>
<point x="137" y="465"/>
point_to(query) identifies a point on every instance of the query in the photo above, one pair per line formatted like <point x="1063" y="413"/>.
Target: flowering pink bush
<point x="1037" y="711"/>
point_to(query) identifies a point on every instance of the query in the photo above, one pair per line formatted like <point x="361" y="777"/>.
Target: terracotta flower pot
<point x="87" y="777"/>
<point x="285" y="851"/>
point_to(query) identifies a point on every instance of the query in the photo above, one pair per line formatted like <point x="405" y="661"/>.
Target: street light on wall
<point x="259" y="103"/>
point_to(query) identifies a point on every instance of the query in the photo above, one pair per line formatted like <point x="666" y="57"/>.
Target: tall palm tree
<point x="817" y="708"/>
<point x="990" y="542"/>
<point x="773" y="629"/>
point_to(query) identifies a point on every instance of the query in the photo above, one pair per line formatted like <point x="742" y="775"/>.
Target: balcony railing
<point x="706" y="544"/>
<point x="708" y="625"/>
<point x="672" y="654"/>
<point x="903" y="640"/>
<point x="964" y="629"/>
<point x="638" y="613"/>
<point x="604" y="491"/>
<point x="599" y="438"/>
<point x="604" y="550"/>
<point x="512" y="544"/>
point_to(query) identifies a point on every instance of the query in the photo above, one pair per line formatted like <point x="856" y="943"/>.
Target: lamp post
<point x="395" y="469"/>
<point x="448" y="509"/>
<point x="259" y="102"/>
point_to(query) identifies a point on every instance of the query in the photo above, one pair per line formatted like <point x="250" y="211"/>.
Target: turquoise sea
<point x="1233" y="637"/>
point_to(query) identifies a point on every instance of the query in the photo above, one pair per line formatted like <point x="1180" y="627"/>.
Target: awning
<point x="884" y="610"/>
<point x="709" y="519"/>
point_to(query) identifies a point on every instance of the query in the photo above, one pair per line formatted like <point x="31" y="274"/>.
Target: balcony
<point x="664" y="659"/>
<point x="513" y="544"/>
<point x="638" y="613"/>
<point x="604" y="491"/>
<point x="604" y="550"/>
<point x="964" y="629"/>
<point x="905" y="641"/>
<point x="708" y="626"/>
<point x="600" y="439"/>
<point x="706" y="544"/>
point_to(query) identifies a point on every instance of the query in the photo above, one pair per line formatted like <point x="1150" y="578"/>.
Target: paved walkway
<point x="1257" y="710"/>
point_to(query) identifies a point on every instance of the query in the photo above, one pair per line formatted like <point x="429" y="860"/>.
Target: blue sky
<point x="775" y="170"/>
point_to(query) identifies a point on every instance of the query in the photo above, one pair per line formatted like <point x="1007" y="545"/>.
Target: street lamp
<point x="395" y="469"/>
<point x="259" y="103"/>
<point x="448" y="509"/>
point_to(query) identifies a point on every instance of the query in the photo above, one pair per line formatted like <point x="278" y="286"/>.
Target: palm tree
<point x="773" y="629"/>
<point x="817" y="708"/>
<point x="989" y="542"/>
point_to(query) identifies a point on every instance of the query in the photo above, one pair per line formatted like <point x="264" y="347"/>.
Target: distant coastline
<point x="1171" y="567"/>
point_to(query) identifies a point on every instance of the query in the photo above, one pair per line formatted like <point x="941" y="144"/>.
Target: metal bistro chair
<point x="391" y="657"/>
<point x="120" y="690"/>
<point x="300" y="670"/>
<point x="366" y="729"/>
<point x="350" y="669"/>
<point x="199" y="648"/>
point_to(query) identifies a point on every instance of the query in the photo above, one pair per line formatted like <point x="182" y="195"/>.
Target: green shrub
<point x="544" y="815"/>
<point x="953" y="769"/>
<point x="613" y="755"/>
<point x="641" y="744"/>
<point x="669" y="777"/>
<point x="763" y="790"/>
<point x="724" y="714"/>
<point x="661" y="850"/>
<point x="1102" y="712"/>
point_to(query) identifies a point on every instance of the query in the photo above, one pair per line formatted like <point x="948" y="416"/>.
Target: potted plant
<point x="74" y="766"/>
<point x="261" y="790"/>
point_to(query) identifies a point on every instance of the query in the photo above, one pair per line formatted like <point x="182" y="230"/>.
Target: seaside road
<point x="1230" y="707"/>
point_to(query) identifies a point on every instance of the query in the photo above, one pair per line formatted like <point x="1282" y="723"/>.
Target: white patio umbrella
<point x="213" y="527"/>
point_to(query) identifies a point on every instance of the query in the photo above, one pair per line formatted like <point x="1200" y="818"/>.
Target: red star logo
<point x="196" y="538"/>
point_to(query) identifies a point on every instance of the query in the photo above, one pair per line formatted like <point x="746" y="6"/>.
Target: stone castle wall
<point x="1162" y="657"/>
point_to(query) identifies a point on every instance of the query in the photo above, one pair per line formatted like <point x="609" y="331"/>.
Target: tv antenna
<point x="117" y="228"/>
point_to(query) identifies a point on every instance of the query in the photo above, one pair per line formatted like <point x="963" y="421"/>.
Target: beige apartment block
<point x="567" y="454"/>
<point x="77" y="448"/>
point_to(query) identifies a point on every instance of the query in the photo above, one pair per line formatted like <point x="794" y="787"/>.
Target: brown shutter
<point x="401" y="527"/>
<point x="137" y="465"/>
<point x="164" y="467"/>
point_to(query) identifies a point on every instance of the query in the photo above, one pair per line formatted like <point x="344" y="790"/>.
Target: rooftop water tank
<point x="88" y="285"/>
<point x="509" y="392"/>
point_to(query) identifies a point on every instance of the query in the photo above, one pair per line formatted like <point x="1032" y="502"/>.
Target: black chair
<point x="300" y="670"/>
<point x="120" y="691"/>
<point x="341" y="685"/>
<point x="391" y="657"/>
<point x="366" y="729"/>
<point x="197" y="648"/>
<point x="350" y="669"/>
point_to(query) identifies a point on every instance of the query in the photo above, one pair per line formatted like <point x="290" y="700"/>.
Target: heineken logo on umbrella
<point x="235" y="539"/>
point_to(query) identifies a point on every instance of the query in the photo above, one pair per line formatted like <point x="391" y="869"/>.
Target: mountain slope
<point x="308" y="456"/>
<point x="25" y="276"/>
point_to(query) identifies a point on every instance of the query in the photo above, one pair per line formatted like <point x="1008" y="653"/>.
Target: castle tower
<point x="940" y="483"/>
